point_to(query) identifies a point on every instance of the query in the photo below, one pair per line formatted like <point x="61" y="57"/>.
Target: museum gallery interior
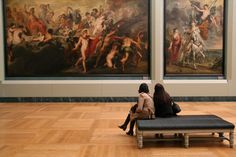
<point x="112" y="78"/>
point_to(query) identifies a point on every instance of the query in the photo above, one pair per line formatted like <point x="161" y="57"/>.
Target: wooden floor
<point x="90" y="130"/>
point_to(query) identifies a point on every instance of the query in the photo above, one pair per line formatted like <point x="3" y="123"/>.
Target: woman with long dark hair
<point x="144" y="109"/>
<point x="162" y="102"/>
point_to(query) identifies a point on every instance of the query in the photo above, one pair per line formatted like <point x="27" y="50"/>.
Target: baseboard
<point x="109" y="99"/>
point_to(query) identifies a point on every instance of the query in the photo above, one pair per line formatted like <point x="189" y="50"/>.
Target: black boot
<point x="124" y="126"/>
<point x="131" y="129"/>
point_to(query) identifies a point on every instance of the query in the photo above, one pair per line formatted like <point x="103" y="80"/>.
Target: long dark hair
<point x="143" y="88"/>
<point x="160" y="95"/>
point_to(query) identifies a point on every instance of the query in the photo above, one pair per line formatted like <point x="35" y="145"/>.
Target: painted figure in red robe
<point x="174" y="47"/>
<point x="34" y="24"/>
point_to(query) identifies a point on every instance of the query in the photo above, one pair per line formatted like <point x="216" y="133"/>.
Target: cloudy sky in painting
<point x="186" y="3"/>
<point x="177" y="15"/>
<point x="59" y="6"/>
<point x="120" y="8"/>
<point x="59" y="3"/>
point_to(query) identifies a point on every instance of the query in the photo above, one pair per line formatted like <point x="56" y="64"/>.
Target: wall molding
<point x="108" y="99"/>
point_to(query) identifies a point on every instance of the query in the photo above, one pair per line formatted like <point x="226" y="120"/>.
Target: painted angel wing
<point x="213" y="4"/>
<point x="213" y="10"/>
<point x="195" y="3"/>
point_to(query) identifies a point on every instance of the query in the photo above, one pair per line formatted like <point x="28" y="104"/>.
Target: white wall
<point x="129" y="88"/>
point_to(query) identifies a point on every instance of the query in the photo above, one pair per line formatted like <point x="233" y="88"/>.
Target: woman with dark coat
<point x="144" y="109"/>
<point x="162" y="102"/>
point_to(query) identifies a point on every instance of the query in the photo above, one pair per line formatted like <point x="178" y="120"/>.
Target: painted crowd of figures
<point x="88" y="40"/>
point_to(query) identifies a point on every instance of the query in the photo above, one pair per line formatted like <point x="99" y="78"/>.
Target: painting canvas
<point x="76" y="38"/>
<point x="194" y="38"/>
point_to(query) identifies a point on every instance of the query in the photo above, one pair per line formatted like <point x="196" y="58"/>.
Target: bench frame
<point x="186" y="135"/>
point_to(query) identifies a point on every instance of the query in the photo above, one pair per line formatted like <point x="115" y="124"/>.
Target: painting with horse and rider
<point x="194" y="37"/>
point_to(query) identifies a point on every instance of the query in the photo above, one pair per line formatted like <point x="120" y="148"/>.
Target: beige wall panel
<point x="1" y="90"/>
<point x="197" y="89"/>
<point x="232" y="55"/>
<point x="232" y="89"/>
<point x="230" y="42"/>
<point x="121" y="90"/>
<point x="157" y="40"/>
<point x="26" y="90"/>
<point x="76" y="90"/>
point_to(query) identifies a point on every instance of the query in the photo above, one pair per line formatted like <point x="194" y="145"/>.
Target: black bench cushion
<point x="190" y="122"/>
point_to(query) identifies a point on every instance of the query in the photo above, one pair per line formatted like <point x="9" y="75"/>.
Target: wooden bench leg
<point x="221" y="136"/>
<point x="139" y="139"/>
<point x="186" y="140"/>
<point x="231" y="139"/>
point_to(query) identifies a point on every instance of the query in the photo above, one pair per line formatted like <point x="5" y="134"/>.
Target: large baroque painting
<point x="76" y="38"/>
<point x="194" y="38"/>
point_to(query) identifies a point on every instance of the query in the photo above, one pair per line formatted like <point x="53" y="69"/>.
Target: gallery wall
<point x="128" y="88"/>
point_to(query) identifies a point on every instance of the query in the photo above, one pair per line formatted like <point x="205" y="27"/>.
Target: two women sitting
<point x="160" y="105"/>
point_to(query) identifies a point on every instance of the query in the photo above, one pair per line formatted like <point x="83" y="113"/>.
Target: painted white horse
<point x="192" y="46"/>
<point x="197" y="46"/>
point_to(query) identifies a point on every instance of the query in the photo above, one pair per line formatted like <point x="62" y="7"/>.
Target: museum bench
<point x="186" y="126"/>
